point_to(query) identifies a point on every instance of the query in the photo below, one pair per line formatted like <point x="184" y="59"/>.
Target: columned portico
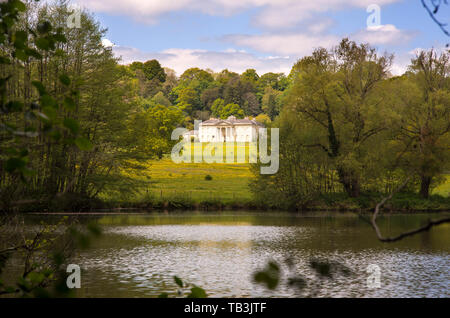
<point x="229" y="130"/>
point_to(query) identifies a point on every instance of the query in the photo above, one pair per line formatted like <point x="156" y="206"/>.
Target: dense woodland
<point x="75" y="122"/>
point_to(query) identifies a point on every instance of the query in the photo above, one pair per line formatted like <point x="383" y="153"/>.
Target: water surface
<point x="139" y="254"/>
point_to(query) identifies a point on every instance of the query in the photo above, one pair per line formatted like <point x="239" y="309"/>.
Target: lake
<point x="138" y="254"/>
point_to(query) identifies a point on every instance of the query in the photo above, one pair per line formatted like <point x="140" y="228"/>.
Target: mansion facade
<point x="226" y="130"/>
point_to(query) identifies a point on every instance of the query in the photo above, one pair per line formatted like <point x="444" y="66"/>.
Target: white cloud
<point x="272" y="14"/>
<point x="400" y="64"/>
<point x="107" y="43"/>
<point x="182" y="59"/>
<point x="320" y="25"/>
<point x="286" y="14"/>
<point x="284" y="44"/>
<point x="387" y="34"/>
<point x="290" y="29"/>
<point x="403" y="60"/>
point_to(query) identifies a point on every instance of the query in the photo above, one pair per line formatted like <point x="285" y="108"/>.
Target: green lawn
<point x="229" y="181"/>
<point x="229" y="152"/>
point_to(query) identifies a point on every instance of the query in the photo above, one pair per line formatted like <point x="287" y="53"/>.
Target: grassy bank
<point x="199" y="186"/>
<point x="226" y="186"/>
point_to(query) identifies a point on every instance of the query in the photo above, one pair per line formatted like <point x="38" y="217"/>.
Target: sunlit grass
<point x="239" y="152"/>
<point x="444" y="188"/>
<point x="229" y="181"/>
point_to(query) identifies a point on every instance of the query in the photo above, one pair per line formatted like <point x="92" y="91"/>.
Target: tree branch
<point x="440" y="24"/>
<point x="424" y="228"/>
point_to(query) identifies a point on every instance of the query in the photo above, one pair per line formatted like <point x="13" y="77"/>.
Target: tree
<point x="152" y="130"/>
<point x="263" y="119"/>
<point x="160" y="99"/>
<point x="197" y="74"/>
<point x="271" y="102"/>
<point x="235" y="89"/>
<point x="171" y="81"/>
<point x="337" y="93"/>
<point x="251" y="105"/>
<point x="217" y="107"/>
<point x="150" y="75"/>
<point x="187" y="99"/>
<point x="277" y="81"/>
<point x="231" y="110"/>
<point x="250" y="76"/>
<point x="153" y="70"/>
<point x="81" y="127"/>
<point x="193" y="82"/>
<point x="423" y="102"/>
<point x="208" y="97"/>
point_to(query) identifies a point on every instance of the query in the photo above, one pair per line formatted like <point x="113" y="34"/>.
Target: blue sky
<point x="262" y="34"/>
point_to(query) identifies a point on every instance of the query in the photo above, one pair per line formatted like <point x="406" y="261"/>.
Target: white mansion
<point x="226" y="130"/>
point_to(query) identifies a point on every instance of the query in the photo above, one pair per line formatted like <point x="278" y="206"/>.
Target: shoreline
<point x="365" y="204"/>
<point x="140" y="211"/>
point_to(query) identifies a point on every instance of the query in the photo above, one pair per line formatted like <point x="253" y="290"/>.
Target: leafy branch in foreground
<point x="194" y="290"/>
<point x="43" y="256"/>
<point x="32" y="116"/>
<point x="435" y="6"/>
<point x="19" y="47"/>
<point x="271" y="277"/>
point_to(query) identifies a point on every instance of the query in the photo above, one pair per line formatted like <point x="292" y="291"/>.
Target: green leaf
<point x="50" y="112"/>
<point x="19" y="5"/>
<point x="64" y="79"/>
<point x="39" y="87"/>
<point x="178" y="281"/>
<point x="33" y="53"/>
<point x="163" y="295"/>
<point x="323" y="268"/>
<point x="36" y="277"/>
<point x="20" y="39"/>
<point x="20" y="55"/>
<point x="197" y="292"/>
<point x="44" y="27"/>
<point x="69" y="103"/>
<point x="43" y="44"/>
<point x="48" y="101"/>
<point x="270" y="276"/>
<point x="59" y="53"/>
<point x="72" y="125"/>
<point x="55" y="135"/>
<point x="83" y="143"/>
<point x="59" y="37"/>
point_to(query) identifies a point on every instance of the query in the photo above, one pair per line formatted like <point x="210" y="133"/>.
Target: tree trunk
<point x="425" y="187"/>
<point x="350" y="182"/>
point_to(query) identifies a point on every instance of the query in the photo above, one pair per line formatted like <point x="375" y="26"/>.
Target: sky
<point x="267" y="35"/>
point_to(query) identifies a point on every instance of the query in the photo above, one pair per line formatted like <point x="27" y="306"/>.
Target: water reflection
<point x="138" y="255"/>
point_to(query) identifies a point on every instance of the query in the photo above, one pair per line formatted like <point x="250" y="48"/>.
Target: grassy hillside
<point x="200" y="185"/>
<point x="227" y="183"/>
